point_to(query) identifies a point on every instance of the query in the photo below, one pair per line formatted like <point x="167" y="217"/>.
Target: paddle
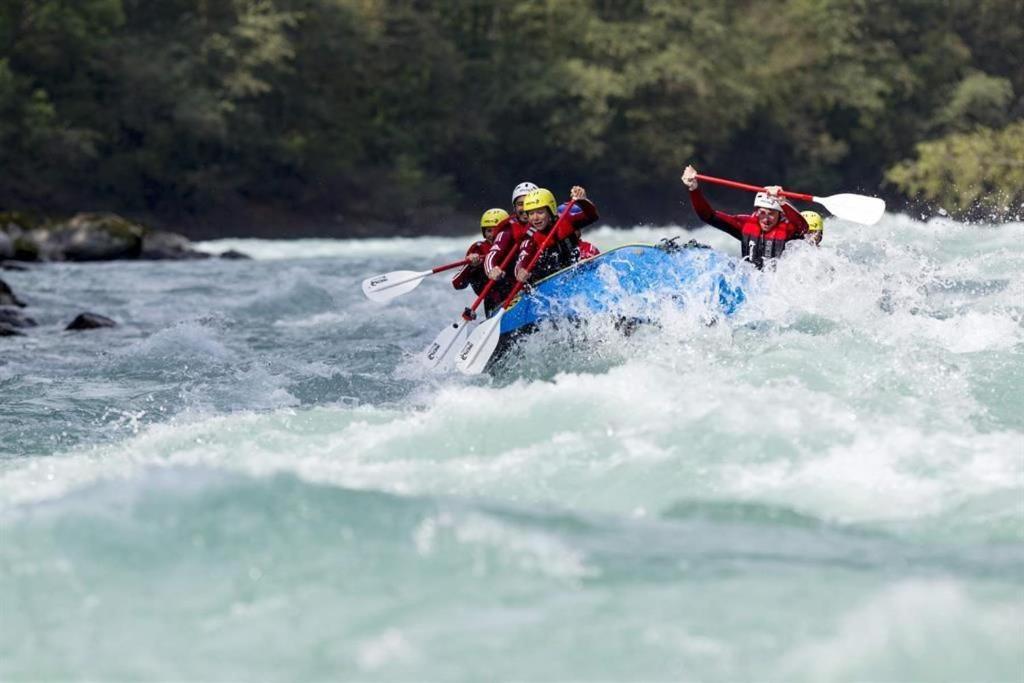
<point x="480" y="346"/>
<point x="452" y="334"/>
<point x="387" y="286"/>
<point x="852" y="207"/>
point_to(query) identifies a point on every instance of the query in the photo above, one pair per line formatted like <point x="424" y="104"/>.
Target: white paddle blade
<point x="477" y="350"/>
<point x="854" y="207"/>
<point x="451" y="337"/>
<point x="387" y="286"/>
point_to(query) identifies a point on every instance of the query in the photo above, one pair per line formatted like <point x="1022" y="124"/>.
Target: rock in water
<point x="160" y="245"/>
<point x="90" y="321"/>
<point x="232" y="254"/>
<point x="6" y="246"/>
<point x="6" y="331"/>
<point x="12" y="317"/>
<point x="7" y="297"/>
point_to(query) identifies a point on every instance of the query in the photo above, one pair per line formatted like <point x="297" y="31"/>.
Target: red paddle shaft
<point x="536" y="257"/>
<point x="752" y="188"/>
<point x="449" y="266"/>
<point x="469" y="314"/>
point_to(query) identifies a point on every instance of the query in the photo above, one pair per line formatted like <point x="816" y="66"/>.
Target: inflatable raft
<point x="629" y="283"/>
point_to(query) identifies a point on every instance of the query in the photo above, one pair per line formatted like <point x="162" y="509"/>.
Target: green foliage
<point x="979" y="99"/>
<point x="981" y="170"/>
<point x="356" y="113"/>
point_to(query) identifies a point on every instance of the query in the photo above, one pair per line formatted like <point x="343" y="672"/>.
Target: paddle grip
<point x="449" y="266"/>
<point x="752" y="188"/>
<point x="536" y="257"/>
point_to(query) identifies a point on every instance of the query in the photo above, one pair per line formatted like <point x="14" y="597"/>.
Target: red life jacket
<point x="758" y="245"/>
<point x="563" y="251"/>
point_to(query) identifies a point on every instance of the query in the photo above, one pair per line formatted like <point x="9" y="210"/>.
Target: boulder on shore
<point x="7" y="297"/>
<point x="6" y="331"/>
<point x="90" y="321"/>
<point x="88" y="237"/>
<point x="94" y="237"/>
<point x="15" y="228"/>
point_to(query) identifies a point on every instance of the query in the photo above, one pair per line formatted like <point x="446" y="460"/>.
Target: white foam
<point x="527" y="550"/>
<point x="641" y="435"/>
<point x="264" y="249"/>
<point x="923" y="630"/>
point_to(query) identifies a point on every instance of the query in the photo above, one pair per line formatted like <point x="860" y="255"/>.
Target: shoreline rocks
<point x="87" y="237"/>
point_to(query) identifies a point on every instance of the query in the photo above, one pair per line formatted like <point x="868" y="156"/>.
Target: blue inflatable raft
<point x="629" y="278"/>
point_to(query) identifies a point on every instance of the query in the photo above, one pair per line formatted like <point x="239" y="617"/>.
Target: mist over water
<point x="251" y="477"/>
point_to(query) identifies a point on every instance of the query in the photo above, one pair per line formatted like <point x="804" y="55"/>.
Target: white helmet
<point x="763" y="200"/>
<point x="523" y="188"/>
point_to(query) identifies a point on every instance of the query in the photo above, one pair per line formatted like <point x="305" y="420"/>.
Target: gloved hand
<point x="690" y="178"/>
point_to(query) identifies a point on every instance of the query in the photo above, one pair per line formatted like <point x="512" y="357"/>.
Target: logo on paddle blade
<point x="378" y="280"/>
<point x="434" y="348"/>
<point x="466" y="350"/>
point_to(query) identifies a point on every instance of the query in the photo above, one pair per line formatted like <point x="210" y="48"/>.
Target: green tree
<point x="982" y="170"/>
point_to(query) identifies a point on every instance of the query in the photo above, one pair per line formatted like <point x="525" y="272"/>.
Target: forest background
<point x="286" y="118"/>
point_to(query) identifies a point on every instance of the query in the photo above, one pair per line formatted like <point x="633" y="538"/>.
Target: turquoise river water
<point x="252" y="479"/>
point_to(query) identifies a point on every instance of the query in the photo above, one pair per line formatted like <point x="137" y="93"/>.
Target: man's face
<point x="767" y="218"/>
<point x="489" y="234"/>
<point x="539" y="218"/>
<point x="517" y="208"/>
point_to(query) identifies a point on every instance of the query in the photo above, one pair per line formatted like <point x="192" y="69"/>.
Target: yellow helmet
<point x="539" y="199"/>
<point x="492" y="217"/>
<point x="814" y="222"/>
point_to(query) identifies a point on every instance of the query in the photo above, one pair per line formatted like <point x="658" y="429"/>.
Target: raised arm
<point x="723" y="221"/>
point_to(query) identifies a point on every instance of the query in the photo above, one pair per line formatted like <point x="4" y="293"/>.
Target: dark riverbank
<point x="348" y="119"/>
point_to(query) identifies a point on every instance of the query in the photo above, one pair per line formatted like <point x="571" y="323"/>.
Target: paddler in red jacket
<point x="542" y="211"/>
<point x="472" y="274"/>
<point x="508" y="236"/>
<point x="762" y="234"/>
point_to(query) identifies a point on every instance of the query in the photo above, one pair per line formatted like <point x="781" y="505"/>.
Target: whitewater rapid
<point x="252" y="476"/>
